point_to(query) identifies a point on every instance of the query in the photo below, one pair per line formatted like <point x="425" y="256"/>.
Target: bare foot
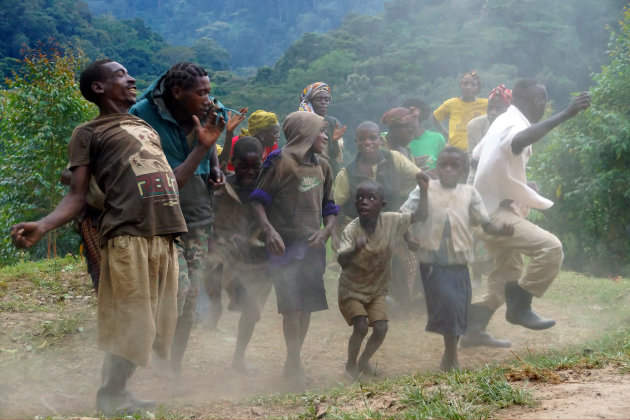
<point x="449" y="364"/>
<point x="366" y="368"/>
<point x="351" y="373"/>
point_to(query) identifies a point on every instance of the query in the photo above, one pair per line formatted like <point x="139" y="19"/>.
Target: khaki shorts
<point x="375" y="310"/>
<point x="137" y="297"/>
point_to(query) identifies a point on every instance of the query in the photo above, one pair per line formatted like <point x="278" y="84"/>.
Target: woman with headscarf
<point x="316" y="98"/>
<point x="499" y="100"/>
<point x="292" y="198"/>
<point x="262" y="125"/>
<point x="402" y="124"/>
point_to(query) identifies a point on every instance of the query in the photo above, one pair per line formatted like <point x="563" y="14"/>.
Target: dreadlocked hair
<point x="182" y="74"/>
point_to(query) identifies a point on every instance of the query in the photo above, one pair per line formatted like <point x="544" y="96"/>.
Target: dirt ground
<point x="61" y="380"/>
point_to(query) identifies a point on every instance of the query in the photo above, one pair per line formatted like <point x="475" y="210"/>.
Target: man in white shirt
<point x="501" y="180"/>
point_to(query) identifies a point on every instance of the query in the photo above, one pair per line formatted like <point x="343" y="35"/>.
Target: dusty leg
<point x="449" y="359"/>
<point x="359" y="331"/>
<point x="379" y="330"/>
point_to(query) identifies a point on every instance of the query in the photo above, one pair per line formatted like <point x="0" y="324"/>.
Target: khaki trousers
<point x="137" y="297"/>
<point x="543" y="249"/>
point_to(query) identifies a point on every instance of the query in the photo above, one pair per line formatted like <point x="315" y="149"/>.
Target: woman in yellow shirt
<point x="460" y="111"/>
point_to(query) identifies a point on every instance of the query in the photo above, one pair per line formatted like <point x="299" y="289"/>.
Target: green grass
<point x="477" y="393"/>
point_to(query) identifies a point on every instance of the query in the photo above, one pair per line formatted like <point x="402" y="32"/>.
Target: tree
<point x="585" y="166"/>
<point x="38" y="111"/>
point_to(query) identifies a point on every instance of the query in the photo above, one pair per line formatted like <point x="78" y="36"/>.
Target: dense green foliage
<point x="585" y="165"/>
<point x="38" y="111"/>
<point x="143" y="51"/>
<point x="420" y="48"/>
<point x="255" y="32"/>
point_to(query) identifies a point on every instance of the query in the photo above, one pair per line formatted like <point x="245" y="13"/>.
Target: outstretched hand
<point x="208" y="134"/>
<point x="25" y="235"/>
<point x="319" y="238"/>
<point x="234" y="121"/>
<point x="338" y="132"/>
<point x="580" y="103"/>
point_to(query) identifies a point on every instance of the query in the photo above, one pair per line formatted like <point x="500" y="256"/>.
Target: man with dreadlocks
<point x="171" y="105"/>
<point x="316" y="98"/>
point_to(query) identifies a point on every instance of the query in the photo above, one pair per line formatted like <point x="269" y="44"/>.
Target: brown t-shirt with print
<point x="299" y="191"/>
<point x="126" y="158"/>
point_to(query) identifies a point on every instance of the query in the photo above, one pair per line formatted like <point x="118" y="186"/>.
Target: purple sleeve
<point x="260" y="196"/>
<point x="329" y="208"/>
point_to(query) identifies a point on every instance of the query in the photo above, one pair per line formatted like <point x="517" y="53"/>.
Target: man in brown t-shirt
<point x="137" y="300"/>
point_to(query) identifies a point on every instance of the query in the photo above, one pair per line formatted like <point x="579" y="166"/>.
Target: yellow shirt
<point x="459" y="114"/>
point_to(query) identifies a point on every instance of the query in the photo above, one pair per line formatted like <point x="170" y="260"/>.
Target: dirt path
<point x="63" y="380"/>
<point x="591" y="394"/>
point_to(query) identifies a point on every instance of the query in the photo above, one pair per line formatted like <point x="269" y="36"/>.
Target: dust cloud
<point x="62" y="380"/>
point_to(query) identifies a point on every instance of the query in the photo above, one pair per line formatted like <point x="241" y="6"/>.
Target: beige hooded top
<point x="295" y="186"/>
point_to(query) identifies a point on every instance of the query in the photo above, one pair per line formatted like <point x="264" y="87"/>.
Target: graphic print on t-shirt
<point x="308" y="183"/>
<point x="153" y="174"/>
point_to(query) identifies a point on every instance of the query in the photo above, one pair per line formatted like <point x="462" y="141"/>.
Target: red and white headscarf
<point x="501" y="93"/>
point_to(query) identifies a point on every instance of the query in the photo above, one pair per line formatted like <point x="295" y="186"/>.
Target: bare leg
<point x="449" y="359"/>
<point x="305" y="322"/>
<point x="246" y="325"/>
<point x="359" y="331"/>
<point x="379" y="330"/>
<point x="293" y="337"/>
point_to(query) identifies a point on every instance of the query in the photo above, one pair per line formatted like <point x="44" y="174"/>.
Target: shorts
<point x="137" y="297"/>
<point x="375" y="310"/>
<point x="299" y="283"/>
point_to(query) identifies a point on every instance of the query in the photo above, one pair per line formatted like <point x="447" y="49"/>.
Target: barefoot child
<point x="292" y="198"/>
<point x="365" y="257"/>
<point x="242" y="256"/>
<point x="448" y="210"/>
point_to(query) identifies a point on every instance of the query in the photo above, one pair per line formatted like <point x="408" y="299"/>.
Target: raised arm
<point x="539" y="130"/>
<point x="207" y="136"/>
<point x="422" y="210"/>
<point x="230" y="127"/>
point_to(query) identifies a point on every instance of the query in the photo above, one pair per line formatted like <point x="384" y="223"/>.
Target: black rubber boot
<point x="476" y="335"/>
<point x="519" y="309"/>
<point x="112" y="399"/>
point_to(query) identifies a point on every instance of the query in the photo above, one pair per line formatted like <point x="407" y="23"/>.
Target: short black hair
<point x="425" y="109"/>
<point x="92" y="73"/>
<point x="457" y="151"/>
<point x="366" y="124"/>
<point x="522" y="87"/>
<point x="246" y="145"/>
<point x="183" y="74"/>
<point x="380" y="191"/>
